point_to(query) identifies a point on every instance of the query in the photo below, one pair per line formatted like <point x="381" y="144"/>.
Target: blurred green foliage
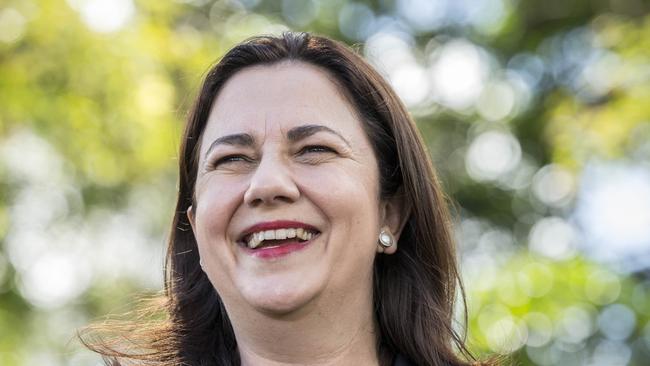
<point x="91" y="113"/>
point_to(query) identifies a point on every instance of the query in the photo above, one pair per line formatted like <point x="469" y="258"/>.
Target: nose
<point x="271" y="184"/>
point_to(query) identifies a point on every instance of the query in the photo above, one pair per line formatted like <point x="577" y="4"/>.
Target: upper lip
<point x="274" y="225"/>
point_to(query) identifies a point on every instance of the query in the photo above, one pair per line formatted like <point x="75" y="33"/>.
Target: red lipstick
<point x="274" y="225"/>
<point x="286" y="247"/>
<point x="278" y="250"/>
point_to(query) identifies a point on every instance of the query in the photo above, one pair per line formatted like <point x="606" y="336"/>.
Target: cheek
<point x="216" y="201"/>
<point x="217" y="198"/>
<point x="348" y="198"/>
<point x="340" y="183"/>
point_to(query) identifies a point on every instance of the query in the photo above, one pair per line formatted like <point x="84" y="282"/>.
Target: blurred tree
<point x="515" y="99"/>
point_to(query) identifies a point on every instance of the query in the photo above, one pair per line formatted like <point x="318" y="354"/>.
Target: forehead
<point x="263" y="99"/>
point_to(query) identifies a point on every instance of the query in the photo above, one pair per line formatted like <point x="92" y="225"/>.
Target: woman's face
<point x="284" y="155"/>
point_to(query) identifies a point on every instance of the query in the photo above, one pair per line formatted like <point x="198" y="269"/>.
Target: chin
<point x="280" y="300"/>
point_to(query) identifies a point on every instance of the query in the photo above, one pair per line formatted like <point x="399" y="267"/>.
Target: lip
<point x="278" y="250"/>
<point x="274" y="225"/>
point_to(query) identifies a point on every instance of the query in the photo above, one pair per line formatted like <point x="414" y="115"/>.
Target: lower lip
<point x="277" y="251"/>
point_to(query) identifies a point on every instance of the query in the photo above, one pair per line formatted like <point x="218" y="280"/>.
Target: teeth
<point x="257" y="238"/>
<point x="304" y="235"/>
<point x="291" y="233"/>
<point x="254" y="241"/>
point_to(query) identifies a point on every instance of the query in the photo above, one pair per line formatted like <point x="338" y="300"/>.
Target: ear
<point x="190" y="217"/>
<point x="395" y="214"/>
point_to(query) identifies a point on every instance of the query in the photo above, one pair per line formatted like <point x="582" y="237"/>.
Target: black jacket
<point x="402" y="361"/>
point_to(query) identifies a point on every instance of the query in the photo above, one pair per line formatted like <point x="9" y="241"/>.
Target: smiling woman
<point x="309" y="229"/>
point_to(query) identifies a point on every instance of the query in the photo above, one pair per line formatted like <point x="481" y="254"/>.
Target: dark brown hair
<point x="414" y="289"/>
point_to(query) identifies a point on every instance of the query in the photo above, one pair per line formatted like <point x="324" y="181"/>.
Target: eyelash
<point x="319" y="148"/>
<point x="242" y="158"/>
<point x="230" y="159"/>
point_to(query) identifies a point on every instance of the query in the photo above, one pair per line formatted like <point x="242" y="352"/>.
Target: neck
<point x="340" y="334"/>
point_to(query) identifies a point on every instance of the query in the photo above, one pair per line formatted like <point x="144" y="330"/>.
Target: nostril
<point x="271" y="184"/>
<point x="256" y="202"/>
<point x="278" y="199"/>
<point x="283" y="199"/>
<point x="271" y="193"/>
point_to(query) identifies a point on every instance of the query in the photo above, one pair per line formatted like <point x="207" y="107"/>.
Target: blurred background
<point x="536" y="113"/>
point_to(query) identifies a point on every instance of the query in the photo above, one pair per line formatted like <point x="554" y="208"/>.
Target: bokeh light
<point x="492" y="154"/>
<point x="104" y="16"/>
<point x="536" y="117"/>
<point x="614" y="209"/>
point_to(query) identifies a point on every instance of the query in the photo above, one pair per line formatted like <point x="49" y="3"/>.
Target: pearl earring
<point x="386" y="238"/>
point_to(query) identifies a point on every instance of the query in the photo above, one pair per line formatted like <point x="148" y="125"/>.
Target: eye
<point x="316" y="149"/>
<point x="230" y="159"/>
<point x="316" y="154"/>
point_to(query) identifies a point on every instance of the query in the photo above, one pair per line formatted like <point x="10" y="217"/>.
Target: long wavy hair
<point x="415" y="289"/>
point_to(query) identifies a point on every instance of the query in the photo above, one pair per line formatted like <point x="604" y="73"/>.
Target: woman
<point x="309" y="227"/>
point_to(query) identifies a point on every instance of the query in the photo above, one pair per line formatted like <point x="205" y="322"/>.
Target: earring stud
<point x="386" y="238"/>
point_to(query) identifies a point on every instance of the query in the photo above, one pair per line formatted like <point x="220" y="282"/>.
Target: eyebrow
<point x="237" y="139"/>
<point x="294" y="134"/>
<point x="302" y="132"/>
